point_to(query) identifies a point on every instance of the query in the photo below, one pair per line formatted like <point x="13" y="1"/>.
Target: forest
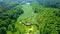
<point x="29" y="16"/>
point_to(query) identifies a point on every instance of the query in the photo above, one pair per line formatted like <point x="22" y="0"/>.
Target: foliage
<point x="49" y="20"/>
<point x="49" y="3"/>
<point x="8" y="19"/>
<point x="36" y="7"/>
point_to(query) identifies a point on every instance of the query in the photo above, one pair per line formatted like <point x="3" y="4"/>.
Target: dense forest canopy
<point x="50" y="3"/>
<point x="29" y="16"/>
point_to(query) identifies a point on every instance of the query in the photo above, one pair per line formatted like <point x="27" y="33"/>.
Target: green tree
<point x="49" y="21"/>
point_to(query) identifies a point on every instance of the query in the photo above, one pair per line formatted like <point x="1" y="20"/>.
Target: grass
<point x="28" y="15"/>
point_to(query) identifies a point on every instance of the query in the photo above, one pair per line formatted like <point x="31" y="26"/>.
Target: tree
<point x="49" y="21"/>
<point x="3" y="30"/>
<point x="36" y="7"/>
